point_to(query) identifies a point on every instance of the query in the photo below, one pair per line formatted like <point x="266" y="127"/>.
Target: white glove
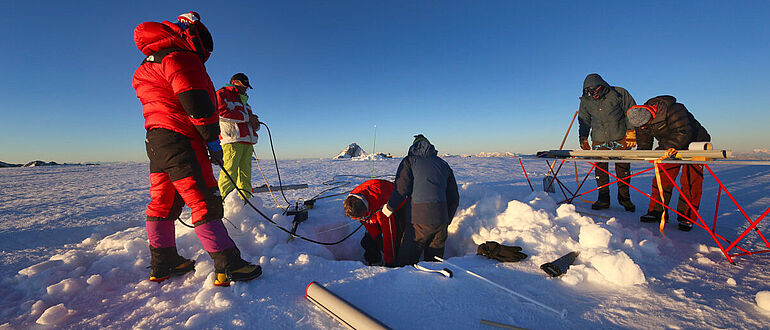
<point x="386" y="211"/>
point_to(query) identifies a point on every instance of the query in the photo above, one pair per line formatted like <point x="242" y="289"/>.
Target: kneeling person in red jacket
<point x="383" y="233"/>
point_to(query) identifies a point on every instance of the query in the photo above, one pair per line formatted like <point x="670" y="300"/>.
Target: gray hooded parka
<point x="604" y="118"/>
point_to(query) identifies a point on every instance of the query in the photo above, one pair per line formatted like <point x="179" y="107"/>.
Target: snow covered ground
<point x="74" y="255"/>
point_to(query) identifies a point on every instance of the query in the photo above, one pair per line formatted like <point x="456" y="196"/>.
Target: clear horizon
<point x="473" y="77"/>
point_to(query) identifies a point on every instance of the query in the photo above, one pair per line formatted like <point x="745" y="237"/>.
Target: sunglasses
<point x="595" y="92"/>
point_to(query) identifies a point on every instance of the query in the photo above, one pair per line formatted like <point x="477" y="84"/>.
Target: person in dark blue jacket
<point x="429" y="183"/>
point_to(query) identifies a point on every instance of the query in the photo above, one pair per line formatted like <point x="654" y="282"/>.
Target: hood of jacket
<point x="422" y="148"/>
<point x="151" y="37"/>
<point x="662" y="103"/>
<point x="593" y="80"/>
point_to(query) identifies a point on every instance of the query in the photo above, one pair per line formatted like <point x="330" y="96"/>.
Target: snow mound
<point x="54" y="315"/>
<point x="763" y="300"/>
<point x="351" y="151"/>
<point x="378" y="156"/>
<point x="546" y="232"/>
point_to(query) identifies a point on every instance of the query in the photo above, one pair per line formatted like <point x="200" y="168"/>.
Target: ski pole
<point x="562" y="314"/>
<point x="374" y="149"/>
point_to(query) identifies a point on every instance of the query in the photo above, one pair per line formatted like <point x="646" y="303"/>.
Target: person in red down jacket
<point x="383" y="233"/>
<point x="178" y="100"/>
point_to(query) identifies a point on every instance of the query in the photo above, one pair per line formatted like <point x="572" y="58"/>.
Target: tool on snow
<point x="446" y="271"/>
<point x="343" y="311"/>
<point x="562" y="314"/>
<point x="264" y="187"/>
<point x="559" y="266"/>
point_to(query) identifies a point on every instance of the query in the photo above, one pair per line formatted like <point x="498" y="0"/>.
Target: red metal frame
<point x="700" y="222"/>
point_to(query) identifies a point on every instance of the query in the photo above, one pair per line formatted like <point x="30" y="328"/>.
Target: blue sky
<point x="471" y="75"/>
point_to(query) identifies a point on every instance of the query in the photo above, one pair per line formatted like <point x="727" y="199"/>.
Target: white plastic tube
<point x="700" y="146"/>
<point x="347" y="314"/>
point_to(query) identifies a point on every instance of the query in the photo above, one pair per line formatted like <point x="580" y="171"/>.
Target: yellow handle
<point x="671" y="152"/>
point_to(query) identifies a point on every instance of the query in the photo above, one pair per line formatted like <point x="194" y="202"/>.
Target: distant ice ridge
<point x="30" y="164"/>
<point x="351" y="151"/>
<point x="377" y="156"/>
<point x="756" y="154"/>
<point x="505" y="154"/>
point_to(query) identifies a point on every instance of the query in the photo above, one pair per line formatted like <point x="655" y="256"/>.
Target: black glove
<point x="497" y="251"/>
<point x="215" y="153"/>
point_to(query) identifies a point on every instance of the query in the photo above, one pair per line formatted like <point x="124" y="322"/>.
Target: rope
<point x="275" y="160"/>
<point x="266" y="183"/>
<point x="245" y="199"/>
<point x="670" y="153"/>
<point x="338" y="227"/>
<point x="240" y="233"/>
<point x="336" y="183"/>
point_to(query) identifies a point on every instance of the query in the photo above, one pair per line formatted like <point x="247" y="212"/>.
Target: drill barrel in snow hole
<point x="343" y="311"/>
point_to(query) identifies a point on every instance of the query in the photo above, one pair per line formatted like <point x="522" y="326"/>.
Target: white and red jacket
<point x="234" y="117"/>
<point x="375" y="193"/>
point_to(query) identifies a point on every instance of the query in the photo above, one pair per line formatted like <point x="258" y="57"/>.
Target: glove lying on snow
<point x="497" y="251"/>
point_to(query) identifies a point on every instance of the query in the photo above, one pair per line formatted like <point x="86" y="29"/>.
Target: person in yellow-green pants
<point x="238" y="133"/>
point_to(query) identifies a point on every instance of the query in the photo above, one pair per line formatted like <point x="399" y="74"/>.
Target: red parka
<point x="176" y="94"/>
<point x="376" y="192"/>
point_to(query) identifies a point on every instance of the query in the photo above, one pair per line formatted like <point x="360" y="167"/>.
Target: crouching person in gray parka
<point x="430" y="183"/>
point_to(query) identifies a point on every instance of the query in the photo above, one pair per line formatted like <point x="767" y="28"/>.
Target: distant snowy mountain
<point x="353" y="150"/>
<point x="756" y="154"/>
<point x="505" y="154"/>
<point x="39" y="163"/>
<point x="4" y="164"/>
